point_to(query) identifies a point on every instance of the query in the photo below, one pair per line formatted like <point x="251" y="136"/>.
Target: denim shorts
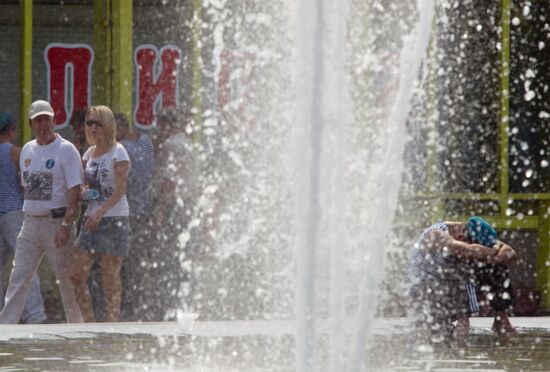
<point x="111" y="236"/>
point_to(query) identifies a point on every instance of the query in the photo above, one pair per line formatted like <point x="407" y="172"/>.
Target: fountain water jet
<point x="387" y="174"/>
<point x="325" y="128"/>
<point x="323" y="33"/>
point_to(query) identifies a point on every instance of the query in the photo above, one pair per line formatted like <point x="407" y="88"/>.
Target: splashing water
<point x="326" y="150"/>
<point x="339" y="100"/>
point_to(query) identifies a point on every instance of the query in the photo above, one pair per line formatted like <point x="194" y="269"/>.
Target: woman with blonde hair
<point x="106" y="228"/>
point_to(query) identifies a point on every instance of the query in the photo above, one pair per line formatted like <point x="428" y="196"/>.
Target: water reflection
<point x="117" y="352"/>
<point x="391" y="350"/>
<point x="527" y="351"/>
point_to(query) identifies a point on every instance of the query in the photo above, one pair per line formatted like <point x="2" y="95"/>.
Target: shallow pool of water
<point x="527" y="351"/>
<point x="117" y="352"/>
<point x="257" y="346"/>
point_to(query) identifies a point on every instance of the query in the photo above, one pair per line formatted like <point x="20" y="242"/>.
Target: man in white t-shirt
<point x="51" y="172"/>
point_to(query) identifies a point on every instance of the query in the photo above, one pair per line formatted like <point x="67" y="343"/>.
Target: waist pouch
<point x="58" y="212"/>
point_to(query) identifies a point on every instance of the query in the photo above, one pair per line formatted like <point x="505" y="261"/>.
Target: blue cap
<point x="481" y="231"/>
<point x="6" y="120"/>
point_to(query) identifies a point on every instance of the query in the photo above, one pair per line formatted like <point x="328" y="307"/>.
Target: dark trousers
<point x="493" y="286"/>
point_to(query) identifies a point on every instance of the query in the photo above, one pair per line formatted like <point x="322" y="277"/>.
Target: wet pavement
<point x="528" y="350"/>
<point x="264" y="346"/>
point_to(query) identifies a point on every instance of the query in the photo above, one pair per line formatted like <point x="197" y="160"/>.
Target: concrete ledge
<point x="239" y="328"/>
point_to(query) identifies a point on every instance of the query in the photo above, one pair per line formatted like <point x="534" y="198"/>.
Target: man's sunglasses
<point x="97" y="123"/>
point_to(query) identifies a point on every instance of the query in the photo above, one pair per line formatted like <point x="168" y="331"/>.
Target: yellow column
<point x="25" y="69"/>
<point x="543" y="253"/>
<point x="113" y="54"/>
<point x="196" y="69"/>
<point x="122" y="56"/>
<point x="504" y="105"/>
<point x="102" y="53"/>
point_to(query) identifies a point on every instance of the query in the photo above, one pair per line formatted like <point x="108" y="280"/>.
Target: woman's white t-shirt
<point x="100" y="175"/>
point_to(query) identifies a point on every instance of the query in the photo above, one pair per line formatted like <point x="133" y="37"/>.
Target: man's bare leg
<point x="462" y="329"/>
<point x="502" y="324"/>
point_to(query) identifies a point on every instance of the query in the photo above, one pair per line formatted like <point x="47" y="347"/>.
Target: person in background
<point x="79" y="132"/>
<point x="174" y="208"/>
<point x="51" y="175"/>
<point x="141" y="153"/>
<point x="106" y="227"/>
<point x="176" y="169"/>
<point x="11" y="216"/>
<point x="442" y="284"/>
<point x="77" y="123"/>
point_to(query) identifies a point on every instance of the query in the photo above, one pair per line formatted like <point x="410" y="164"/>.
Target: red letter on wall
<point x="157" y="84"/>
<point x="69" y="79"/>
<point x="234" y="80"/>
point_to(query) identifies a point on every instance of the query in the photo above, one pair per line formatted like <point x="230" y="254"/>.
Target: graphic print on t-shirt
<point x="96" y="174"/>
<point x="38" y="185"/>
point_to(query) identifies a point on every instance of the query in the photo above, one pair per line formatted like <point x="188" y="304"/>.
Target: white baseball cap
<point x="40" y="107"/>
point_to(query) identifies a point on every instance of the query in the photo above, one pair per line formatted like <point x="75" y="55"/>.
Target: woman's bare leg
<point x="112" y="288"/>
<point x="82" y="263"/>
